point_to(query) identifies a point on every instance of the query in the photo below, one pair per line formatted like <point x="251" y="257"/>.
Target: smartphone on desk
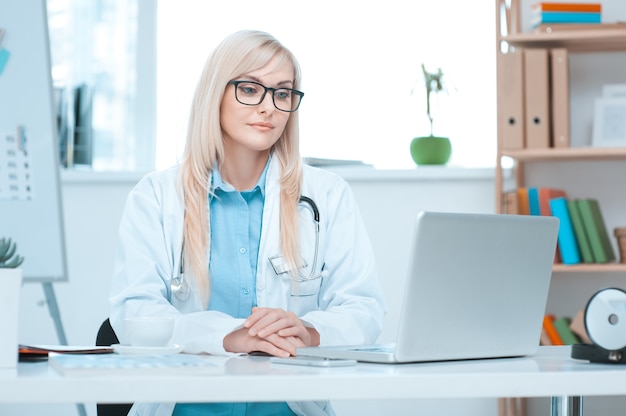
<point x="313" y="361"/>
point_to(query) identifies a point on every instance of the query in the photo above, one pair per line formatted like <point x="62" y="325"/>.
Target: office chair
<point x="106" y="337"/>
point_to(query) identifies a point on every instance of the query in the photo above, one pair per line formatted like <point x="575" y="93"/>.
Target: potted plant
<point x="11" y="280"/>
<point x="8" y="258"/>
<point x="431" y="150"/>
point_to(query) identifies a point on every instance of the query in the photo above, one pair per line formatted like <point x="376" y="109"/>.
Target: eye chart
<point x="15" y="166"/>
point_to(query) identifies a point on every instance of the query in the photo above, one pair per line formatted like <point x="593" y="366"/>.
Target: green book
<point x="579" y="231"/>
<point x="566" y="334"/>
<point x="596" y="230"/>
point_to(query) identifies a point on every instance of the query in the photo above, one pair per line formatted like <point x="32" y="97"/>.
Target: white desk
<point x="550" y="373"/>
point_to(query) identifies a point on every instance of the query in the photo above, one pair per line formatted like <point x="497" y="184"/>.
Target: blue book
<point x="533" y="201"/>
<point x="565" y="17"/>
<point x="568" y="245"/>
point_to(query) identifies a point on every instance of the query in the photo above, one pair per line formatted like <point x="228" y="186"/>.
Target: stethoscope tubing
<point x="180" y="287"/>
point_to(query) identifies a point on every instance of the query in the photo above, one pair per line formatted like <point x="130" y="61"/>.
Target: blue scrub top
<point x="236" y="222"/>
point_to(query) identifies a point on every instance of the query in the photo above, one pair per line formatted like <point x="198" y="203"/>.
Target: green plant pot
<point x="431" y="150"/>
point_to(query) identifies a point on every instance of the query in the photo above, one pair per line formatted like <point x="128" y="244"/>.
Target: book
<point x="565" y="17"/>
<point x="550" y="329"/>
<point x="559" y="97"/>
<point x="537" y="98"/>
<point x="566" y="7"/>
<point x="579" y="231"/>
<point x="90" y="364"/>
<point x="523" y="206"/>
<point x="544" y="339"/>
<point x="568" y="246"/>
<point x="562" y="326"/>
<point x="596" y="230"/>
<point x="533" y="201"/>
<point x="578" y="326"/>
<point x="41" y="352"/>
<point x="545" y="195"/>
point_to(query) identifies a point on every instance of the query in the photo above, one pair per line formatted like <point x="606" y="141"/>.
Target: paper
<point x="90" y="364"/>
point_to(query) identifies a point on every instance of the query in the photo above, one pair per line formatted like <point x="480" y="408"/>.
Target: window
<point x="128" y="69"/>
<point x="370" y="50"/>
<point x="104" y="108"/>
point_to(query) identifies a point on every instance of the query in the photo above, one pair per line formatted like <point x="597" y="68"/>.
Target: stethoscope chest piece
<point x="180" y="287"/>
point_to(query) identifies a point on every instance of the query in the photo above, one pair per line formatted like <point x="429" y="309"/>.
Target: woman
<point x="256" y="274"/>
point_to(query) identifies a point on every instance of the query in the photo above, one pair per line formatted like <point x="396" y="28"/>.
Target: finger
<point x="257" y="315"/>
<point x="285" y="344"/>
<point x="274" y="327"/>
<point x="292" y="331"/>
<point x="271" y="322"/>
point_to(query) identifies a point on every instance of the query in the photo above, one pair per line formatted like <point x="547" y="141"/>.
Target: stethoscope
<point x="180" y="287"/>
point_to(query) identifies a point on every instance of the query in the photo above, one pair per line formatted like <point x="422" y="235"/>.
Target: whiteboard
<point x="30" y="199"/>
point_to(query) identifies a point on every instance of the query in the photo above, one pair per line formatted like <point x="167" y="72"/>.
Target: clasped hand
<point x="273" y="331"/>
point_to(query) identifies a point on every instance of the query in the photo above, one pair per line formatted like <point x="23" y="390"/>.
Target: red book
<point x="545" y="195"/>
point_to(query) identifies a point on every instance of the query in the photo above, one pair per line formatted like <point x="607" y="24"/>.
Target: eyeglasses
<point x="253" y="93"/>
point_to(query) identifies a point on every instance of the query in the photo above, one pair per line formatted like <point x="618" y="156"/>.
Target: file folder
<point x="537" y="98"/>
<point x="511" y="100"/>
<point x="560" y="99"/>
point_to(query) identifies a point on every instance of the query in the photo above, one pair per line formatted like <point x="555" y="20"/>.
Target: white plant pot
<point x="10" y="288"/>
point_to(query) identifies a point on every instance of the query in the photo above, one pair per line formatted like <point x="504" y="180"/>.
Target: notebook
<point x="477" y="287"/>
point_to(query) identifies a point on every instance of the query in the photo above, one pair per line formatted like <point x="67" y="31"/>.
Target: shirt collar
<point x="218" y="183"/>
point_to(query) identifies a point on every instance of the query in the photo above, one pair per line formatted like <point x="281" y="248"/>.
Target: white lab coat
<point x="345" y="305"/>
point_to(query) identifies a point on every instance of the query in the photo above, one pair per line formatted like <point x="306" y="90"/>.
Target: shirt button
<point x="246" y="291"/>
<point x="242" y="250"/>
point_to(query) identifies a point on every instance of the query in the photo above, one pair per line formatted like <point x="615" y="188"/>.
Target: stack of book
<point x="563" y="330"/>
<point x="583" y="236"/>
<point x="565" y="13"/>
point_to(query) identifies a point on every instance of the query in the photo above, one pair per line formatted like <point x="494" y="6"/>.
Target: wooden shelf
<point x="590" y="268"/>
<point x="599" y="40"/>
<point x="566" y="154"/>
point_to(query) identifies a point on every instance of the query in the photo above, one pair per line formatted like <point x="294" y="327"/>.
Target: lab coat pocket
<point x="305" y="295"/>
<point x="305" y="288"/>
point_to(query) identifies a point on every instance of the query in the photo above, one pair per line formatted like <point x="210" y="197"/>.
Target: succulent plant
<point x="8" y="258"/>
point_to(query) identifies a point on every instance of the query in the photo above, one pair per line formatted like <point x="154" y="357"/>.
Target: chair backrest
<point x="106" y="337"/>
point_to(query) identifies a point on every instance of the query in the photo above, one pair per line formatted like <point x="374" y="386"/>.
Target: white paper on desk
<point x="94" y="364"/>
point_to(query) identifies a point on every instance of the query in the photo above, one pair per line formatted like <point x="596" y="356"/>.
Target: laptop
<point x="477" y="287"/>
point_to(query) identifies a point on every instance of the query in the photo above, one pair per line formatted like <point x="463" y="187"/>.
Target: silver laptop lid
<point x="477" y="286"/>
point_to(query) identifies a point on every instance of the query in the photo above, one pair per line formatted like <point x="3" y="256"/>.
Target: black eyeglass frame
<point x="236" y="83"/>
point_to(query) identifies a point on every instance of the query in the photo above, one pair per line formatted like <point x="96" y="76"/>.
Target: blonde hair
<point x="238" y="54"/>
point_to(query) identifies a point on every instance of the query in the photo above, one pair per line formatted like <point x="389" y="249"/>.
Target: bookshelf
<point x="510" y="37"/>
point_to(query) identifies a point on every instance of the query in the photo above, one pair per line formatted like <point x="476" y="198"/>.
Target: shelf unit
<point x="509" y="35"/>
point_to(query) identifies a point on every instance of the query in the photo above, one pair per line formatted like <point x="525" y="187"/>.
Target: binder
<point x="560" y="100"/>
<point x="537" y="98"/>
<point x="511" y="100"/>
